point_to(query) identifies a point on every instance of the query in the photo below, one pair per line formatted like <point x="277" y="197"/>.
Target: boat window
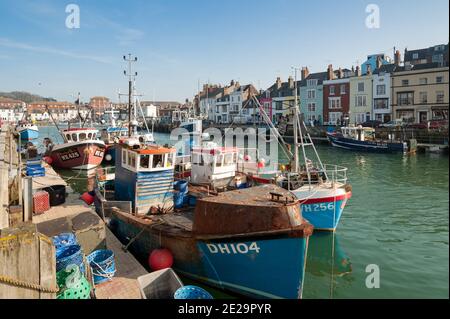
<point x="90" y="136"/>
<point x="219" y="160"/>
<point x="145" y="160"/>
<point x="74" y="137"/>
<point x="234" y="157"/>
<point x="157" y="161"/>
<point x="68" y="137"/>
<point x="82" y="136"/>
<point x="170" y="159"/>
<point x="133" y="159"/>
<point x="124" y="157"/>
<point x="228" y="159"/>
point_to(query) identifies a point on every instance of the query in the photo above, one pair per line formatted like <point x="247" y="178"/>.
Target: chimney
<point x="278" y="83"/>
<point x="291" y="82"/>
<point x="340" y="73"/>
<point x="358" y="71"/>
<point x="330" y="72"/>
<point x="379" y="62"/>
<point x="369" y="69"/>
<point x="353" y="69"/>
<point x="397" y="58"/>
<point x="305" y="72"/>
<point x="232" y="83"/>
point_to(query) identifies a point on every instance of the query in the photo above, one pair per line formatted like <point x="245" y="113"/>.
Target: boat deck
<point x="124" y="284"/>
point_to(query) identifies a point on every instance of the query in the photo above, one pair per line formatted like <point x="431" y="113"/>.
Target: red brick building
<point x="336" y="96"/>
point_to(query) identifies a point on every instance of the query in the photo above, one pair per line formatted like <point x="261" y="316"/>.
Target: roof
<point x="426" y="52"/>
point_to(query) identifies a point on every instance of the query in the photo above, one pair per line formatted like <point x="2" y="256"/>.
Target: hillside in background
<point x="25" y="97"/>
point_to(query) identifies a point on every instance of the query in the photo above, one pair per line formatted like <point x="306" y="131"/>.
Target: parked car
<point x="372" y="123"/>
<point x="393" y="123"/>
<point x="436" y="124"/>
<point x="417" y="125"/>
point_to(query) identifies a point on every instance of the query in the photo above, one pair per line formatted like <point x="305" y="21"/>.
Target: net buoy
<point x="108" y="157"/>
<point x="160" y="259"/>
<point x="87" y="198"/>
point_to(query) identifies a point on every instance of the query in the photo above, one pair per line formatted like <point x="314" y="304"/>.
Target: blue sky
<point x="182" y="42"/>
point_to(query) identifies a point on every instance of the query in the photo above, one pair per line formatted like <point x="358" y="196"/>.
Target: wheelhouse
<point x="358" y="133"/>
<point x="147" y="158"/>
<point x="79" y="135"/>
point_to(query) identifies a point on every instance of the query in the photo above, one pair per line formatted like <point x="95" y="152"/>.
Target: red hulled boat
<point x="81" y="149"/>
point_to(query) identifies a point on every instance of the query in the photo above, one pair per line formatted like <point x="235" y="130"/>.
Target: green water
<point x="397" y="219"/>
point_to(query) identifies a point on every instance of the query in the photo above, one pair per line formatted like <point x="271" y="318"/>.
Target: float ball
<point x="87" y="198"/>
<point x="160" y="259"/>
<point x="108" y="157"/>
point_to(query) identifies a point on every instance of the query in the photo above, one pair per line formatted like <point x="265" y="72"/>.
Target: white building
<point x="382" y="109"/>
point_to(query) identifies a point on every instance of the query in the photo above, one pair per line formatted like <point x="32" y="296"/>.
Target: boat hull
<point x="28" y="134"/>
<point x="325" y="213"/>
<point x="366" y="146"/>
<point x="256" y="267"/>
<point x="83" y="156"/>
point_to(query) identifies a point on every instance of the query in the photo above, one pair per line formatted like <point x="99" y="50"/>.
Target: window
<point x="67" y="136"/>
<point x="440" y="97"/>
<point x="415" y="56"/>
<point x="332" y="90"/>
<point x="381" y="104"/>
<point x="381" y="89"/>
<point x="423" y="81"/>
<point x="405" y="82"/>
<point x="311" y="94"/>
<point x="342" y="89"/>
<point x="144" y="161"/>
<point x="132" y="159"/>
<point x="170" y="160"/>
<point x="90" y="136"/>
<point x="361" y="87"/>
<point x="312" y="82"/>
<point x="311" y="107"/>
<point x="82" y="136"/>
<point x="239" y="98"/>
<point x="228" y="159"/>
<point x="219" y="160"/>
<point x="158" y="161"/>
<point x="360" y="118"/>
<point x="124" y="157"/>
<point x="278" y="105"/>
<point x="405" y="98"/>
<point x="74" y="137"/>
<point x="335" y="117"/>
<point x="423" y="97"/>
<point x="439" y="79"/>
<point x="335" y="103"/>
<point x="360" y="100"/>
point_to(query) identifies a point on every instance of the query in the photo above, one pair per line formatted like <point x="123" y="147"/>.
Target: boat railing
<point x="335" y="173"/>
<point x="250" y="161"/>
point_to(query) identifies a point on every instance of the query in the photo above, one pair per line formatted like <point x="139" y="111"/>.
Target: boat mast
<point x="131" y="77"/>
<point x="295" y="124"/>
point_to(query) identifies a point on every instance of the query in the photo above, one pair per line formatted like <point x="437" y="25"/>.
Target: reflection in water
<point x="326" y="262"/>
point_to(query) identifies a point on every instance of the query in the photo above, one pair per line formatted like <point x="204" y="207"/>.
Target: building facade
<point x="420" y="93"/>
<point x="381" y="91"/>
<point x="336" y="96"/>
<point x="360" y="99"/>
<point x="311" y="96"/>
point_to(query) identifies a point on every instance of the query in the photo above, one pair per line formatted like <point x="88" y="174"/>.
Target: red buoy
<point x="87" y="198"/>
<point x="47" y="159"/>
<point x="160" y="259"/>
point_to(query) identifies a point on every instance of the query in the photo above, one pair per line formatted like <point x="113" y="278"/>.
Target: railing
<point x="102" y="176"/>
<point x="335" y="173"/>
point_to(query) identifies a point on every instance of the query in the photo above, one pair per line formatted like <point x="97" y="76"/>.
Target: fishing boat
<point x="80" y="149"/>
<point x="322" y="189"/>
<point x="358" y="138"/>
<point x="267" y="239"/>
<point x="28" y="131"/>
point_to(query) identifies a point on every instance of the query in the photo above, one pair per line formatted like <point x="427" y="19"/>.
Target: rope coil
<point x="24" y="284"/>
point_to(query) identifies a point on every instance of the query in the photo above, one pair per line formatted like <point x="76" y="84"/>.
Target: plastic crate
<point x="35" y="171"/>
<point x="41" y="202"/>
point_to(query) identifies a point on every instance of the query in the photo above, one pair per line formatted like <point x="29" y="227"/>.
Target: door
<point x="423" y="116"/>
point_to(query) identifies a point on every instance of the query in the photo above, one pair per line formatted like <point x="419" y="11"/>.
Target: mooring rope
<point x="21" y="283"/>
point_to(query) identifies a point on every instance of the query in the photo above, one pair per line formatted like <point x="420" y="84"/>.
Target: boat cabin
<point x="144" y="175"/>
<point x="112" y="134"/>
<point x="213" y="165"/>
<point x="79" y="134"/>
<point x="358" y="133"/>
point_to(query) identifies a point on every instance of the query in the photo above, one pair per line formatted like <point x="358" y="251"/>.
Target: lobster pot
<point x="103" y="266"/>
<point x="179" y="199"/>
<point x="70" y="255"/>
<point x="63" y="240"/>
<point x="181" y="186"/>
<point x="41" y="202"/>
<point x="72" y="285"/>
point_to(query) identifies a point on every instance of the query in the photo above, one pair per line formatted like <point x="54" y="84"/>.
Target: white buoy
<point x="108" y="157"/>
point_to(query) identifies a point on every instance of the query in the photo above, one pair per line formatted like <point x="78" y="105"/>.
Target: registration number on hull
<point x="322" y="207"/>
<point x="98" y="153"/>
<point x="70" y="155"/>
<point x="235" y="248"/>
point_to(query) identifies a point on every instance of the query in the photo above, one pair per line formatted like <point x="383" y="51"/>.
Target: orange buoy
<point x="160" y="259"/>
<point x="87" y="198"/>
<point x="47" y="159"/>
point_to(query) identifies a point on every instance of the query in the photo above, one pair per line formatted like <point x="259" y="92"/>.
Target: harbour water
<point x="397" y="219"/>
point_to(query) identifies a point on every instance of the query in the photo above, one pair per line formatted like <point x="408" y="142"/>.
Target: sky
<point x="183" y="43"/>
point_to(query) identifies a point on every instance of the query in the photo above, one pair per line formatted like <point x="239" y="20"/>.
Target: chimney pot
<point x="330" y="72"/>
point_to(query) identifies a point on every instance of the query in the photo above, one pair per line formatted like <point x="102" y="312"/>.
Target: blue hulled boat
<point x="252" y="241"/>
<point x="27" y="131"/>
<point x="363" y="139"/>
